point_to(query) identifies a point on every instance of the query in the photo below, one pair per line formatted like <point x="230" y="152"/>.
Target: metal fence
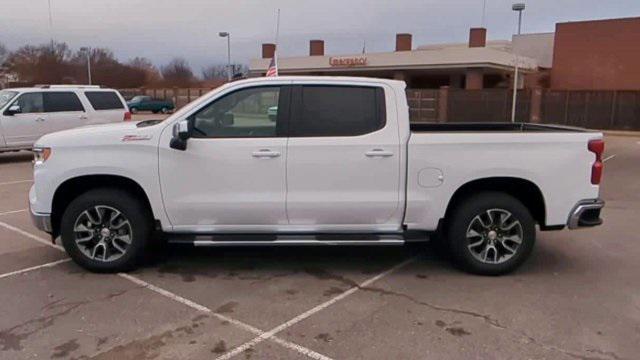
<point x="423" y="105"/>
<point x="619" y="110"/>
<point x="488" y="105"/>
<point x="179" y="96"/>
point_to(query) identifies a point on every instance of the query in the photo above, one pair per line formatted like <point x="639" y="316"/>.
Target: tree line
<point x="57" y="63"/>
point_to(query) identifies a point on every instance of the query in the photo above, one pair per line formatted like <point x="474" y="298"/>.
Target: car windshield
<point x="6" y="96"/>
<point x="138" y="98"/>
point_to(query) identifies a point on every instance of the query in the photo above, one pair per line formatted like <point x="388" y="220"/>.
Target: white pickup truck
<point x="340" y="165"/>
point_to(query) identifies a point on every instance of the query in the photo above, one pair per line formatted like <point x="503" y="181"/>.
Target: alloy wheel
<point x="494" y="236"/>
<point x="102" y="233"/>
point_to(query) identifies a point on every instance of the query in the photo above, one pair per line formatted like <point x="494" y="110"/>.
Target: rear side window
<point x="61" y="101"/>
<point x="338" y="111"/>
<point x="104" y="100"/>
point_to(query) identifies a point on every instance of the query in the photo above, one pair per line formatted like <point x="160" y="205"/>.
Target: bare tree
<point x="177" y="73"/>
<point x="48" y="64"/>
<point x="214" y="72"/>
<point x="152" y="74"/>
<point x="219" y="71"/>
<point x="106" y="69"/>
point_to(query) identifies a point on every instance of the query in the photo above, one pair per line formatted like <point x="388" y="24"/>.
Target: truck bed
<point x="442" y="158"/>
<point x="492" y="127"/>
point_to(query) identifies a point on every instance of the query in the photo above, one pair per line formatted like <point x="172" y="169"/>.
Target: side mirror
<point x="228" y="120"/>
<point x="13" y="109"/>
<point x="181" y="134"/>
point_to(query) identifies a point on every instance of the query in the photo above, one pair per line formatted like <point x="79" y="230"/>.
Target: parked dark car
<point x="147" y="103"/>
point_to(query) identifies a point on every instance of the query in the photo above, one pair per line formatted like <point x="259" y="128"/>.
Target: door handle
<point x="378" y="153"/>
<point x="40" y="119"/>
<point x="265" y="153"/>
<point x="83" y="117"/>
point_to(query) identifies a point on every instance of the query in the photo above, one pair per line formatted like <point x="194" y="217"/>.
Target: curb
<point x="621" y="133"/>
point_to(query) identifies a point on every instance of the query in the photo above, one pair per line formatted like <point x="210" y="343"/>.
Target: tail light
<point x="127" y="116"/>
<point x="597" y="147"/>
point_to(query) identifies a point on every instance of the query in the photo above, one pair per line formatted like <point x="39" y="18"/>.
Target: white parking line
<point x="12" y="212"/>
<point x="609" y="158"/>
<point x="15" y="182"/>
<point x="312" y="354"/>
<point x="31" y="236"/>
<point x="289" y="345"/>
<point x="53" y="263"/>
<point x="269" y="334"/>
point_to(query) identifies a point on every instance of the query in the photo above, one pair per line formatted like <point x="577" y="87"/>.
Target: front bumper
<point x="586" y="213"/>
<point x="41" y="221"/>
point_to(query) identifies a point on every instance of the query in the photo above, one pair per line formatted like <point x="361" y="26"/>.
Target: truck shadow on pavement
<point x="15" y="157"/>
<point x="261" y="263"/>
<point x="256" y="263"/>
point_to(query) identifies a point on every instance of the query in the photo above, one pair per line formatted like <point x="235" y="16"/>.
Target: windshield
<point x="137" y="98"/>
<point x="6" y="96"/>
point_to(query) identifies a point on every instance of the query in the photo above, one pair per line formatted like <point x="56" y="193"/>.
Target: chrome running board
<point x="300" y="242"/>
<point x="201" y="240"/>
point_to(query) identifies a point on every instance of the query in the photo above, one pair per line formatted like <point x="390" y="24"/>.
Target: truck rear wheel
<point x="106" y="230"/>
<point x="491" y="233"/>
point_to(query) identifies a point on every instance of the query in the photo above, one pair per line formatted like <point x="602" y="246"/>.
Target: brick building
<point x="583" y="55"/>
<point x="597" y="55"/>
<point x="474" y="65"/>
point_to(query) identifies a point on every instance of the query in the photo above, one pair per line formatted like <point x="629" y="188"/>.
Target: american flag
<point x="273" y="67"/>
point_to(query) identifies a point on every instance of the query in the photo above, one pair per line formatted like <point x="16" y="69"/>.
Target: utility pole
<point x="88" y="51"/>
<point x="228" y="36"/>
<point x="519" y="7"/>
<point x="50" y="25"/>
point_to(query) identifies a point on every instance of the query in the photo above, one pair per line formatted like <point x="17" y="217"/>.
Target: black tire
<point x="164" y="110"/>
<point x="478" y="205"/>
<point x="139" y="217"/>
<point x="134" y="110"/>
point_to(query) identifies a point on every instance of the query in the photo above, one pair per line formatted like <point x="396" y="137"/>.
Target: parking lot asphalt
<point x="578" y="297"/>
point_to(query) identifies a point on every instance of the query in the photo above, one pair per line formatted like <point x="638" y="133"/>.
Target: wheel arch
<point x="76" y="186"/>
<point x="524" y="190"/>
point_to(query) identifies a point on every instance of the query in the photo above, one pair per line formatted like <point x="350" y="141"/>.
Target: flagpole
<point x="275" y="53"/>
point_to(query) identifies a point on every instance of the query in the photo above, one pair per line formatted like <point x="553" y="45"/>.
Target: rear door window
<point x="61" y="101"/>
<point x="104" y="100"/>
<point x="327" y="110"/>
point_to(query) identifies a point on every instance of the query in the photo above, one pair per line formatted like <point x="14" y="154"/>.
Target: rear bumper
<point x="586" y="213"/>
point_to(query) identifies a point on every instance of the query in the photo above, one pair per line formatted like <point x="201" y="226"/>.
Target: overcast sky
<point x="162" y="29"/>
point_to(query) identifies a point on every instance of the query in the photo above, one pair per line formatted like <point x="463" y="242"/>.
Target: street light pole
<point x="519" y="7"/>
<point x="228" y="36"/>
<point x="88" y="51"/>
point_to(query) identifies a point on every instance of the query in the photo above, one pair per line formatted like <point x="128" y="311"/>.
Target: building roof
<point x="504" y="45"/>
<point x="424" y="59"/>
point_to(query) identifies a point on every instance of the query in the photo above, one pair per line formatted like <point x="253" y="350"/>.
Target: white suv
<point x="26" y="114"/>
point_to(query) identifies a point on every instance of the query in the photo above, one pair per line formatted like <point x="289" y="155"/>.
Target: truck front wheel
<point x="106" y="230"/>
<point x="491" y="233"/>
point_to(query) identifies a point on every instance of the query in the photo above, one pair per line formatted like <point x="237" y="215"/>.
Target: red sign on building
<point x="348" y="61"/>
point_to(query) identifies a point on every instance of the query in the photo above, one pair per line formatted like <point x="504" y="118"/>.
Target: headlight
<point x="41" y="154"/>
